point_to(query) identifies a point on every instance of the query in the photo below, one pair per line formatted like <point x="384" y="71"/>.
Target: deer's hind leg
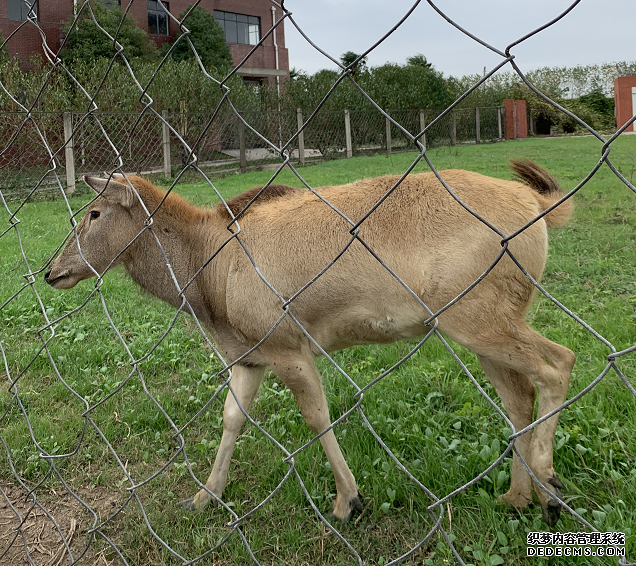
<point x="512" y="354"/>
<point x="518" y="394"/>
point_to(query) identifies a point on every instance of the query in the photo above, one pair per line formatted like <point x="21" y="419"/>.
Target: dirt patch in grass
<point x="41" y="531"/>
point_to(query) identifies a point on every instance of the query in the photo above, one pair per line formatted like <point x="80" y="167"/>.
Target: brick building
<point x="244" y="22"/>
<point x="625" y="100"/>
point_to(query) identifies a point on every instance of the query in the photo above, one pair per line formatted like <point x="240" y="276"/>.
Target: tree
<point x="418" y="60"/>
<point x="86" y="42"/>
<point x="295" y="73"/>
<point x="407" y="87"/>
<point x="4" y="52"/>
<point x="349" y="57"/>
<point x="207" y="37"/>
<point x="598" y="102"/>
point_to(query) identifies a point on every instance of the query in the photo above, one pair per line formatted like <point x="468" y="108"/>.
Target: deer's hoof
<point x="187" y="504"/>
<point x="552" y="510"/>
<point x="354" y="505"/>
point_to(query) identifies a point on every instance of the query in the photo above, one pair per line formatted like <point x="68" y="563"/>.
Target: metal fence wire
<point x="217" y="137"/>
<point x="30" y="506"/>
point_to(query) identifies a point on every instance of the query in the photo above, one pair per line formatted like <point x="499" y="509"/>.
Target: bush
<point x="176" y="87"/>
<point x="349" y="57"/>
<point x="207" y="37"/>
<point x="594" y="109"/>
<point x="85" y="42"/>
<point x="407" y="87"/>
<point x="4" y="52"/>
<point x="391" y="86"/>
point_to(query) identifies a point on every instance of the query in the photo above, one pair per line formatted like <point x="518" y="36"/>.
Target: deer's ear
<point x="113" y="191"/>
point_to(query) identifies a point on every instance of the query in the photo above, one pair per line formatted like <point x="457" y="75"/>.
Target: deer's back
<point x="420" y="232"/>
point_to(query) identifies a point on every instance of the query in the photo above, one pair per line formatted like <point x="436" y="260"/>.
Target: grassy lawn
<point x="427" y="412"/>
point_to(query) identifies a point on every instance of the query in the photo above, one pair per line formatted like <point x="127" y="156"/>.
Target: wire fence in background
<point x="148" y="147"/>
<point x="110" y="141"/>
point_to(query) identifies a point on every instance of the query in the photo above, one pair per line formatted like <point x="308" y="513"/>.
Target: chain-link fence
<point x="103" y="425"/>
<point x="150" y="148"/>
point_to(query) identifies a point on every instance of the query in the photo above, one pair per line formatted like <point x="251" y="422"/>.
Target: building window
<point x="20" y="10"/>
<point x="239" y="28"/>
<point x="252" y="82"/>
<point x="158" y="18"/>
<point x="110" y="3"/>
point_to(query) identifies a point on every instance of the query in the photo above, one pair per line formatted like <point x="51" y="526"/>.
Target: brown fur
<point x="548" y="188"/>
<point x="422" y="234"/>
<point x="272" y="192"/>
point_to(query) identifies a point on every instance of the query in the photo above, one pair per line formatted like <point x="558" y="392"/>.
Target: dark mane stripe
<point x="239" y="202"/>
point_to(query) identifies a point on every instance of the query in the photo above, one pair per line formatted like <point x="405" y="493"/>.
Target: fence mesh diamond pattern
<point x="41" y="333"/>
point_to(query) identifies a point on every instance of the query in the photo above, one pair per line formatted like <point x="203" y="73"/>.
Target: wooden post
<point x="183" y="130"/>
<point x="167" y="163"/>
<point x="453" y="131"/>
<point x="69" y="153"/>
<point x="388" y="136"/>
<point x="301" y="136"/>
<point x="348" y="134"/>
<point x="243" y="156"/>
<point x="499" y="111"/>
<point x="477" y="126"/>
<point x="422" y="126"/>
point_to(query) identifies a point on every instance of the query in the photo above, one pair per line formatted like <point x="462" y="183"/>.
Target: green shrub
<point x="207" y="37"/>
<point x="85" y="42"/>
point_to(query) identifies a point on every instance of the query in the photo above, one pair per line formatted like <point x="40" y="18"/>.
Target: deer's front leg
<point x="244" y="384"/>
<point x="300" y="374"/>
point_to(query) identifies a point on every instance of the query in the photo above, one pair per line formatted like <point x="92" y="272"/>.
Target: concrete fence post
<point x="243" y="155"/>
<point x="499" y="111"/>
<point x="422" y="126"/>
<point x="167" y="162"/>
<point x="301" y="136"/>
<point x="477" y="126"/>
<point x="348" y="134"/>
<point x="388" y="136"/>
<point x="453" y="131"/>
<point x="69" y="152"/>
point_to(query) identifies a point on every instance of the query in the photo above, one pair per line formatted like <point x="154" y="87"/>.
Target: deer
<point x="431" y="240"/>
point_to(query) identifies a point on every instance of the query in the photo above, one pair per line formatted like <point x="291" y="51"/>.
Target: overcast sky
<point x="595" y="31"/>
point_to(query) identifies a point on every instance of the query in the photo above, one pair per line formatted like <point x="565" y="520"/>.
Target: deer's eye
<point x="94" y="214"/>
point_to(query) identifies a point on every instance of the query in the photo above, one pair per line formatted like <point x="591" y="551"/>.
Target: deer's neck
<point x="165" y="259"/>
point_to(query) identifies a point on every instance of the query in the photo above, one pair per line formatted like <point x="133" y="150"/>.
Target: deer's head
<point x="106" y="229"/>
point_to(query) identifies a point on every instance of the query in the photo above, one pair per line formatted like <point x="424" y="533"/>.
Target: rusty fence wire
<point x="113" y="142"/>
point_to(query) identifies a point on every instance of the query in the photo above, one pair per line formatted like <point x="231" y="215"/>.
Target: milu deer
<point x="420" y="232"/>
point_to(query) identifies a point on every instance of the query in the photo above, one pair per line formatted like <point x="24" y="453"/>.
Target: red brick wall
<point x="52" y="14"/>
<point x="509" y="105"/>
<point x="516" y="118"/>
<point x="522" y="119"/>
<point x="28" y="41"/>
<point x="623" y="100"/>
<point x="263" y="58"/>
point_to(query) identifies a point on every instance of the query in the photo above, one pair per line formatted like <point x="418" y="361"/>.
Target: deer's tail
<point x="547" y="189"/>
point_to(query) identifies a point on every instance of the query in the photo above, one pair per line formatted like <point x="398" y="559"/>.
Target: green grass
<point x="427" y="412"/>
